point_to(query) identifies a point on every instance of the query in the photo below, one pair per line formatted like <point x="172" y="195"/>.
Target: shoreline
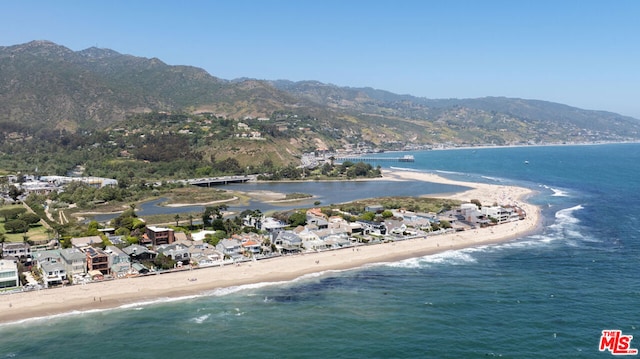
<point x="18" y="307"/>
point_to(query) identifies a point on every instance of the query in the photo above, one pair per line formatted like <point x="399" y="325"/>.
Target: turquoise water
<point x="547" y="295"/>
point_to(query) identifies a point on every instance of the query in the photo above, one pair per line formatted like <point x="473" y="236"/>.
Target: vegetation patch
<point x="293" y="196"/>
<point x="413" y="204"/>
<point x="194" y="194"/>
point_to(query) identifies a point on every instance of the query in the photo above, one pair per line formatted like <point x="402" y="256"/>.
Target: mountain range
<point x="46" y="84"/>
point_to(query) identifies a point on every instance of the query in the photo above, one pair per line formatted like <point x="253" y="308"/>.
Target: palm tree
<point x="190" y="220"/>
<point x="133" y="209"/>
<point x="177" y="218"/>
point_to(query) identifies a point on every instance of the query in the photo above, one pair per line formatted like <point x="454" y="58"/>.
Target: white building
<point x="9" y="274"/>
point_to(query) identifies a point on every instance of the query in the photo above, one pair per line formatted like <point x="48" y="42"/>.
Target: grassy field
<point x="36" y="232"/>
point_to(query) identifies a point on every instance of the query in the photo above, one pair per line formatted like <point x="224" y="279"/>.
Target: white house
<point x="230" y="247"/>
<point x="74" y="260"/>
<point x="53" y="273"/>
<point x="9" y="274"/>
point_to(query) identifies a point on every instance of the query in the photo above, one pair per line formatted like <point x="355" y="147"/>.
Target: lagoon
<point x="327" y="192"/>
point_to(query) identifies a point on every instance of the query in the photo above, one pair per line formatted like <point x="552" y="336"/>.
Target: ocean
<point x="546" y="295"/>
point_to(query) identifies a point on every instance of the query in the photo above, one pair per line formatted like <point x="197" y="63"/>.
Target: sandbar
<point x="112" y="294"/>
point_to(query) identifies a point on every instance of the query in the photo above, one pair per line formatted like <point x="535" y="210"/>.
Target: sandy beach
<point x="112" y="294"/>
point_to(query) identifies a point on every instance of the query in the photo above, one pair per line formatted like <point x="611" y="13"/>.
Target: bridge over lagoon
<point x="217" y="181"/>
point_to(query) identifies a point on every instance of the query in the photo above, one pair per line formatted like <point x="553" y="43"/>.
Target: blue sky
<point x="580" y="53"/>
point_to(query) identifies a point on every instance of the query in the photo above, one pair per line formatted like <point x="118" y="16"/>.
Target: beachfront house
<point x="501" y="214"/>
<point x="20" y="250"/>
<point x="158" y="236"/>
<point x="52" y="255"/>
<point x="370" y="227"/>
<point x="97" y="261"/>
<point x="74" y="260"/>
<point x="138" y="253"/>
<point x="287" y="242"/>
<point x="138" y="269"/>
<point x="9" y="274"/>
<point x="251" y="247"/>
<point x="119" y="262"/>
<point x="231" y="248"/>
<point x="202" y="254"/>
<point x="271" y="224"/>
<point x="176" y="251"/>
<point x="53" y="273"/>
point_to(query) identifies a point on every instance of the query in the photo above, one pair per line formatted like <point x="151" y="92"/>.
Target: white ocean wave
<point x="565" y="216"/>
<point x="451" y="172"/>
<point x="494" y="179"/>
<point x="219" y="292"/>
<point x="56" y="316"/>
<point x="556" y="191"/>
<point x="200" y="319"/>
<point x="137" y="305"/>
<point x="406" y="169"/>
<point x="452" y="257"/>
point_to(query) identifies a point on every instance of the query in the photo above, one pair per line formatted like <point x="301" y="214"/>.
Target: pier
<point x="405" y="158"/>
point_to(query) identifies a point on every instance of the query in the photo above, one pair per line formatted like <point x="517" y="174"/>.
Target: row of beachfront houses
<point x="89" y="260"/>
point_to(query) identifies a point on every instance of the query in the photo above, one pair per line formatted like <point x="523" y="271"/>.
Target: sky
<point x="580" y="53"/>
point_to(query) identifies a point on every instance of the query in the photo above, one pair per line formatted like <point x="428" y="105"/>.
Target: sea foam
<point x="452" y="257"/>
